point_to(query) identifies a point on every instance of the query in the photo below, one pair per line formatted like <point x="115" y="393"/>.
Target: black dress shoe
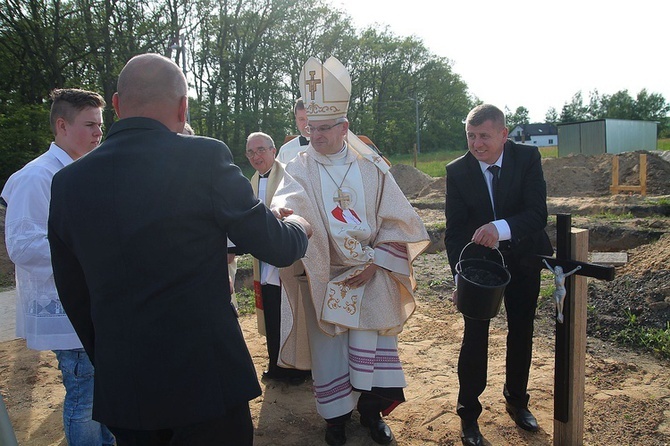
<point x="470" y="434"/>
<point x="379" y="430"/>
<point x="289" y="376"/>
<point x="297" y="377"/>
<point x="268" y="375"/>
<point x="335" y="435"/>
<point x="522" y="417"/>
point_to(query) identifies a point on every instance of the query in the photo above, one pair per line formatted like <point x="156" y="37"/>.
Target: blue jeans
<point x="80" y="428"/>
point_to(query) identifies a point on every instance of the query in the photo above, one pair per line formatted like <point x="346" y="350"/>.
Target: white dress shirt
<point x="504" y="231"/>
<point x="40" y="318"/>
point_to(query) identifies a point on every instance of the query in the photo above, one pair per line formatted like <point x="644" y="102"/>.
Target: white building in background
<point x="540" y="135"/>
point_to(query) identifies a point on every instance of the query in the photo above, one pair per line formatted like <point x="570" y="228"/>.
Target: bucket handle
<point x="502" y="259"/>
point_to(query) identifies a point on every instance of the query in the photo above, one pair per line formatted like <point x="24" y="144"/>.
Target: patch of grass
<point x="662" y="201"/>
<point x="547" y="278"/>
<point x="653" y="339"/>
<point x="246" y="301"/>
<point x="663" y="144"/>
<point x="438" y="283"/>
<point x="431" y="163"/>
<point x="547" y="291"/>
<point x="591" y="310"/>
<point x="437" y="226"/>
<point x="613" y="216"/>
<point x="549" y="152"/>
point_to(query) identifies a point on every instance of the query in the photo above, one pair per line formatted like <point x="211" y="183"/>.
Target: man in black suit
<point x="515" y="224"/>
<point x="138" y="238"/>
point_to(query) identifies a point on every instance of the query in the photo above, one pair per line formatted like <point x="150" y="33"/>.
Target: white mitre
<point x="325" y="89"/>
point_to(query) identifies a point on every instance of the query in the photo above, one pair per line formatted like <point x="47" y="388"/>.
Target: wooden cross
<point x="570" y="355"/>
<point x="312" y="83"/>
<point x="342" y="199"/>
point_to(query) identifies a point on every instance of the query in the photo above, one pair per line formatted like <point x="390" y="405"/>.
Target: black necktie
<point x="494" y="185"/>
<point x="303" y="141"/>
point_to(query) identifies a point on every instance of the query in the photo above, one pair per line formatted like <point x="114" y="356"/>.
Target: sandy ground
<point x="627" y="393"/>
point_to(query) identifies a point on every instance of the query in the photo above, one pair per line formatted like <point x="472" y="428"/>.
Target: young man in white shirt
<point x="76" y="122"/>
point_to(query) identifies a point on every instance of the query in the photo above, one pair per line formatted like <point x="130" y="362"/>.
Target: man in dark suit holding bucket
<point x="496" y="198"/>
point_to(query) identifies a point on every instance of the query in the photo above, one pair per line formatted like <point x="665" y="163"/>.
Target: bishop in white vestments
<point x="349" y="298"/>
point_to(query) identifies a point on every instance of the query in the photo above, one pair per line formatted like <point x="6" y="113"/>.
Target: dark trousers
<point x="234" y="429"/>
<point x="520" y="304"/>
<point x="272" y="316"/>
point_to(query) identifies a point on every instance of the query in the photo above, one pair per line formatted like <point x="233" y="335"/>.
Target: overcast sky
<point x="536" y="54"/>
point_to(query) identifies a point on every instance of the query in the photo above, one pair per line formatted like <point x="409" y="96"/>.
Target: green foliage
<point x="551" y="117"/>
<point x="24" y="134"/>
<point x="653" y="339"/>
<point x="245" y="261"/>
<point x="547" y="291"/>
<point x="663" y="144"/>
<point x="620" y="105"/>
<point x="661" y="201"/>
<point x="519" y="117"/>
<point x="246" y="301"/>
<point x="242" y="59"/>
<point x="437" y="227"/>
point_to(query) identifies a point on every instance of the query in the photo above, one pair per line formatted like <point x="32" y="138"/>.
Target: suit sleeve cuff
<point x="504" y="232"/>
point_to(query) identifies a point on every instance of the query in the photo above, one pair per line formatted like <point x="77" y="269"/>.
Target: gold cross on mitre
<point x="325" y="88"/>
<point x="312" y="83"/>
<point x="342" y="198"/>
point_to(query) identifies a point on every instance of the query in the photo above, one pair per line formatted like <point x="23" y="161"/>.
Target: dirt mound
<point x="652" y="257"/>
<point x="435" y="190"/>
<point x="571" y="176"/>
<point x="591" y="176"/>
<point x="640" y="293"/>
<point x="410" y="179"/>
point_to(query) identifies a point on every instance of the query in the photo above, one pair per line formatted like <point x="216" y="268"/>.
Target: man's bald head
<point x="152" y="86"/>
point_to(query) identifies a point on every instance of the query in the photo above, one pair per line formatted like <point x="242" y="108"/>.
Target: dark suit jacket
<point x="138" y="230"/>
<point x="522" y="202"/>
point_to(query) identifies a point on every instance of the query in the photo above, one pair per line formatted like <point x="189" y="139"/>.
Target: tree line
<point x="242" y="59"/>
<point x="644" y="106"/>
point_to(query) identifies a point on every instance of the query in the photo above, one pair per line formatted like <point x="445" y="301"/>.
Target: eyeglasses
<point x="260" y="151"/>
<point x="322" y="128"/>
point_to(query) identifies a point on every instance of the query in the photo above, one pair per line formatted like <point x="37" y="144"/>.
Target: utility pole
<point x="418" y="133"/>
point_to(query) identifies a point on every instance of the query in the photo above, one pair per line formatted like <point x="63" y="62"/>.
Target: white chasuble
<point x="348" y="227"/>
<point x="379" y="225"/>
